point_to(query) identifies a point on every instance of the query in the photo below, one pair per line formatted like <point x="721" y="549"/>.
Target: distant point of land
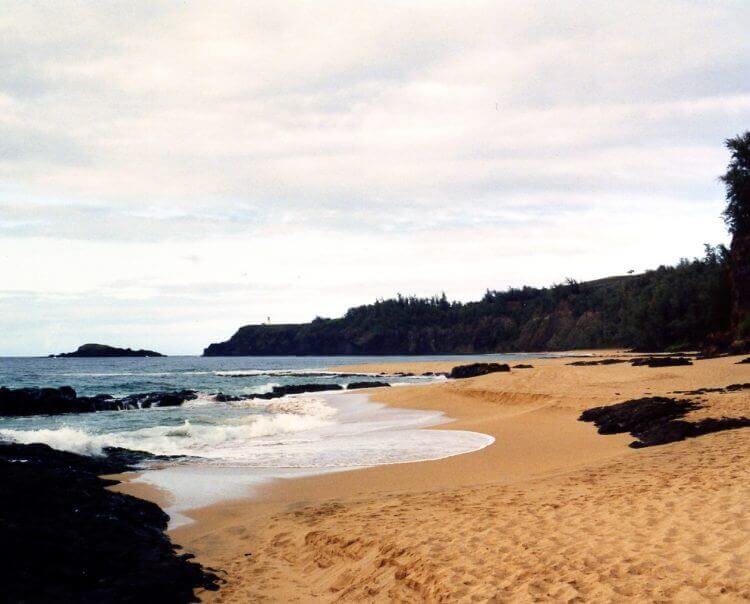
<point x="102" y="350"/>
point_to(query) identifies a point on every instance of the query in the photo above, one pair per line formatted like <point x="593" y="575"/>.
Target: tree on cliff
<point x="737" y="182"/>
<point x="737" y="217"/>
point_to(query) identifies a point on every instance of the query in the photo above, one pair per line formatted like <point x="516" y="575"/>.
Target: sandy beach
<point x="552" y="511"/>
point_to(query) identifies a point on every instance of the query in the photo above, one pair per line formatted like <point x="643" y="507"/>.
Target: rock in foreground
<point x="656" y="420"/>
<point x="597" y="362"/>
<point x="661" y="362"/>
<point x="102" y="350"/>
<point x="476" y="369"/>
<point x="68" y="539"/>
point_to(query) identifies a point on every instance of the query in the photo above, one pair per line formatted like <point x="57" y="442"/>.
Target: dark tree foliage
<point x="667" y="308"/>
<point x="737" y="182"/>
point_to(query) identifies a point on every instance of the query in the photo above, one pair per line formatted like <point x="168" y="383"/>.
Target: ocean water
<point x="225" y="448"/>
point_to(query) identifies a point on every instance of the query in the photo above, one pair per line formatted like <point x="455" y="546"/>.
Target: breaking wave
<point x="207" y="437"/>
<point x="317" y="433"/>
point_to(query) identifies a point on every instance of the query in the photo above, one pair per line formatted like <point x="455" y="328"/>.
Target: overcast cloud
<point x="171" y="171"/>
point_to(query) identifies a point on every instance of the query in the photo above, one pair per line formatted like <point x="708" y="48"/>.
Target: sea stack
<point x="102" y="350"/>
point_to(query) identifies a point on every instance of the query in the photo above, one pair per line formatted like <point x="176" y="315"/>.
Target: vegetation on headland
<point x="737" y="183"/>
<point x="667" y="308"/>
<point x="737" y="218"/>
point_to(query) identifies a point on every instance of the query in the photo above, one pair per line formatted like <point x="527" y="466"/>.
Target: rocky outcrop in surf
<point x="56" y="401"/>
<point x="157" y="399"/>
<point x="279" y="391"/>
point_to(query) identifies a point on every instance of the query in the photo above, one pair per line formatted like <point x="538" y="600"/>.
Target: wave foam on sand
<point x="224" y="455"/>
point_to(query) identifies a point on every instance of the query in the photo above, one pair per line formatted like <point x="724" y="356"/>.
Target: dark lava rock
<point x="68" y="539"/>
<point x="301" y="388"/>
<point x="656" y="420"/>
<point x="743" y="361"/>
<point x="730" y="388"/>
<point x="476" y="369"/>
<point x="672" y="361"/>
<point x="55" y="401"/>
<point x="42" y="401"/>
<point x="100" y="402"/>
<point x="102" y="350"/>
<point x="131" y="458"/>
<point x="279" y="391"/>
<point x="661" y="434"/>
<point x="157" y="399"/>
<point x="700" y="391"/>
<point x="357" y="385"/>
<point x="220" y="397"/>
<point x="632" y="415"/>
<point x="522" y="366"/>
<point x="597" y="362"/>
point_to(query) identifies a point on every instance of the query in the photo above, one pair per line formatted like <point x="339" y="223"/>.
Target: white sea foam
<point x="296" y="431"/>
<point x="298" y="404"/>
<point x="262" y="389"/>
<point x="224" y="442"/>
<point x="228" y="448"/>
<point x="64" y="439"/>
<point x="202" y="400"/>
<point x="302" y="373"/>
<point x="209" y="400"/>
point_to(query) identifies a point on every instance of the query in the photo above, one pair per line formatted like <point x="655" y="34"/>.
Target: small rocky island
<point x="102" y="350"/>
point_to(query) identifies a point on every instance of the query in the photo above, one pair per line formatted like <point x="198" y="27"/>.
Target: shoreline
<point x="539" y="446"/>
<point x="364" y="434"/>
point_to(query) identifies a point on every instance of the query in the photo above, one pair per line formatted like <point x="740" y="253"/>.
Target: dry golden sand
<point x="550" y="512"/>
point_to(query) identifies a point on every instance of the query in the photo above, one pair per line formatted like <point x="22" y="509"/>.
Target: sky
<point x="170" y="171"/>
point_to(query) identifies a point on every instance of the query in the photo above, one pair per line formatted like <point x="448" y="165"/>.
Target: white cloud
<point x="285" y="144"/>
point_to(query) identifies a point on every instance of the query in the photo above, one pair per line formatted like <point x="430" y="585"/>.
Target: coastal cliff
<point x="102" y="350"/>
<point x="667" y="308"/>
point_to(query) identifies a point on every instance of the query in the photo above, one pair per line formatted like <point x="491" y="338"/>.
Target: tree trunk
<point x="739" y="263"/>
